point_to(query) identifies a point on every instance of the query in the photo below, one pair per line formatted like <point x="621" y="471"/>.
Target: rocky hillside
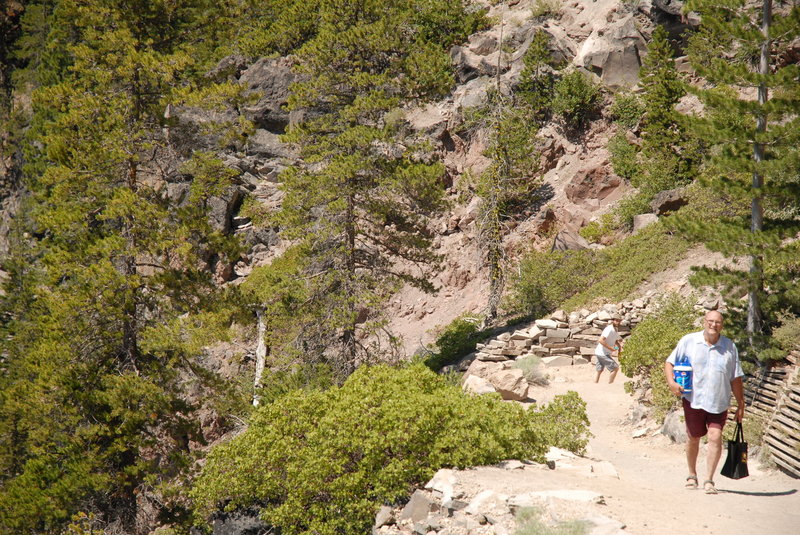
<point x="605" y="38"/>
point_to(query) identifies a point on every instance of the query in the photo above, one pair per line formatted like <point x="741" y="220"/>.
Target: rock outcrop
<point x="455" y="503"/>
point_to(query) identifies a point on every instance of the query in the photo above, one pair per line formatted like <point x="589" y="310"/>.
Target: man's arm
<point x="738" y="392"/>
<point x="674" y="387"/>
<point x="603" y="343"/>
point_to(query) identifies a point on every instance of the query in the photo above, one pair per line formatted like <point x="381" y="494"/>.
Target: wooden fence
<point x="774" y="396"/>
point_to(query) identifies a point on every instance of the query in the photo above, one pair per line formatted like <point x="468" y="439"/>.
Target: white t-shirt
<point x="611" y="336"/>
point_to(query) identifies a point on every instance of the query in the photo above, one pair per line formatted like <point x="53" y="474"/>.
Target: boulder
<point x="443" y="482"/>
<point x="613" y="53"/>
<point x="482" y="368"/>
<point x="557" y="333"/>
<point x="546" y="324"/>
<point x="510" y="383"/>
<point x="429" y="119"/>
<point x="592" y="182"/>
<point x="270" y="78"/>
<point x="559" y="360"/>
<point x="568" y="240"/>
<point x="535" y="332"/>
<point x="468" y="65"/>
<point x="268" y="145"/>
<point x="418" y="507"/>
<point x="384" y="516"/>
<point x="674" y="428"/>
<point x="478" y="385"/>
<point x="642" y="220"/>
<point x="669" y="201"/>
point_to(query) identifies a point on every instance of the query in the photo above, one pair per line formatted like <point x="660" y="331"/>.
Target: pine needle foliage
<point x="110" y="299"/>
<point x="359" y="200"/>
<point x="751" y="122"/>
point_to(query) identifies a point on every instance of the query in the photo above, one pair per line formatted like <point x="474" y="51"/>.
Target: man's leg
<point x="714" y="447"/>
<point x="692" y="448"/>
<point x="613" y="374"/>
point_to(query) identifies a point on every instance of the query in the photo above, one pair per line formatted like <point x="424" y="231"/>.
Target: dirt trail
<point x="649" y="496"/>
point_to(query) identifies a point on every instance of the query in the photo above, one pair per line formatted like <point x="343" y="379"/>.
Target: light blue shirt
<point x="713" y="369"/>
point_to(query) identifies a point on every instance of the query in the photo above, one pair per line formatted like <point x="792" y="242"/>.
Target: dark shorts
<point x="699" y="421"/>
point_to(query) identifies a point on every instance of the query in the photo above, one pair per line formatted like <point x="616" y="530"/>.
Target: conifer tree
<point x="505" y="187"/>
<point x="109" y="303"/>
<point x="751" y="120"/>
<point x="358" y="202"/>
<point x="661" y="90"/>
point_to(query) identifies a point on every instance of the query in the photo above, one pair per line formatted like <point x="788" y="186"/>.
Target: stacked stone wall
<point x="559" y="339"/>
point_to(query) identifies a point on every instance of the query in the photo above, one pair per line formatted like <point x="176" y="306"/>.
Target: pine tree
<point x="506" y="187"/>
<point x="754" y="141"/>
<point x="358" y="203"/>
<point x="109" y="299"/>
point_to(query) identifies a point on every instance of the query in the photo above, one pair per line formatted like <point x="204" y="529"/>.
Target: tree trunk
<point x="757" y="210"/>
<point x="261" y="356"/>
<point x="348" y="364"/>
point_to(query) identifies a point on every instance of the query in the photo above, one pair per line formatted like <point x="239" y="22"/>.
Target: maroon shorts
<point x="699" y="421"/>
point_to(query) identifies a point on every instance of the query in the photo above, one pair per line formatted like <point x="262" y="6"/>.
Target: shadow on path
<point x="760" y="494"/>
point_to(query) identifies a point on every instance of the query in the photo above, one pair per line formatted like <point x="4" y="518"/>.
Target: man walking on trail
<point x="608" y="344"/>
<point x="716" y="372"/>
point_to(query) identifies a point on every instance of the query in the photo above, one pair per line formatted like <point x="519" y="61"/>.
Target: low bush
<point x="627" y="110"/>
<point x="536" y="521"/>
<point x="544" y="8"/>
<point x="546" y="279"/>
<point x="787" y="335"/>
<point x="651" y="343"/>
<point x="323" y="462"/>
<point x="573" y="279"/>
<point x="575" y="97"/>
<point x="597" y="230"/>
<point x="454" y="341"/>
<point x="621" y="268"/>
<point x="623" y="156"/>
<point x="531" y="367"/>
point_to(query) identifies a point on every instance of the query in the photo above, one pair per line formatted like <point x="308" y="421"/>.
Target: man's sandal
<point x="691" y="482"/>
<point x="708" y="487"/>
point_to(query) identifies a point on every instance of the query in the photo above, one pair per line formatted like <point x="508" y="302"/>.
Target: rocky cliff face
<point x="604" y="38"/>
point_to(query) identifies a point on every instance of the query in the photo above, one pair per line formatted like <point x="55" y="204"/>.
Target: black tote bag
<point x="735" y="466"/>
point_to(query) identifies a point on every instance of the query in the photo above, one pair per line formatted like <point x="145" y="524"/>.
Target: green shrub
<point x="546" y="279"/>
<point x="630" y="207"/>
<point x="627" y="110"/>
<point x="530" y="522"/>
<point x="300" y="376"/>
<point x="319" y="462"/>
<point x="771" y="354"/>
<point x="537" y="79"/>
<point x="624" y="156"/>
<point x="596" y="230"/>
<point x="456" y="340"/>
<point x="620" y="269"/>
<point x="543" y="8"/>
<point x="575" y="97"/>
<point x="787" y="335"/>
<point x="572" y="279"/>
<point x="651" y="343"/>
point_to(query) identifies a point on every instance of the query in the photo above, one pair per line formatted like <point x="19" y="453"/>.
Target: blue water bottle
<point x="682" y="372"/>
